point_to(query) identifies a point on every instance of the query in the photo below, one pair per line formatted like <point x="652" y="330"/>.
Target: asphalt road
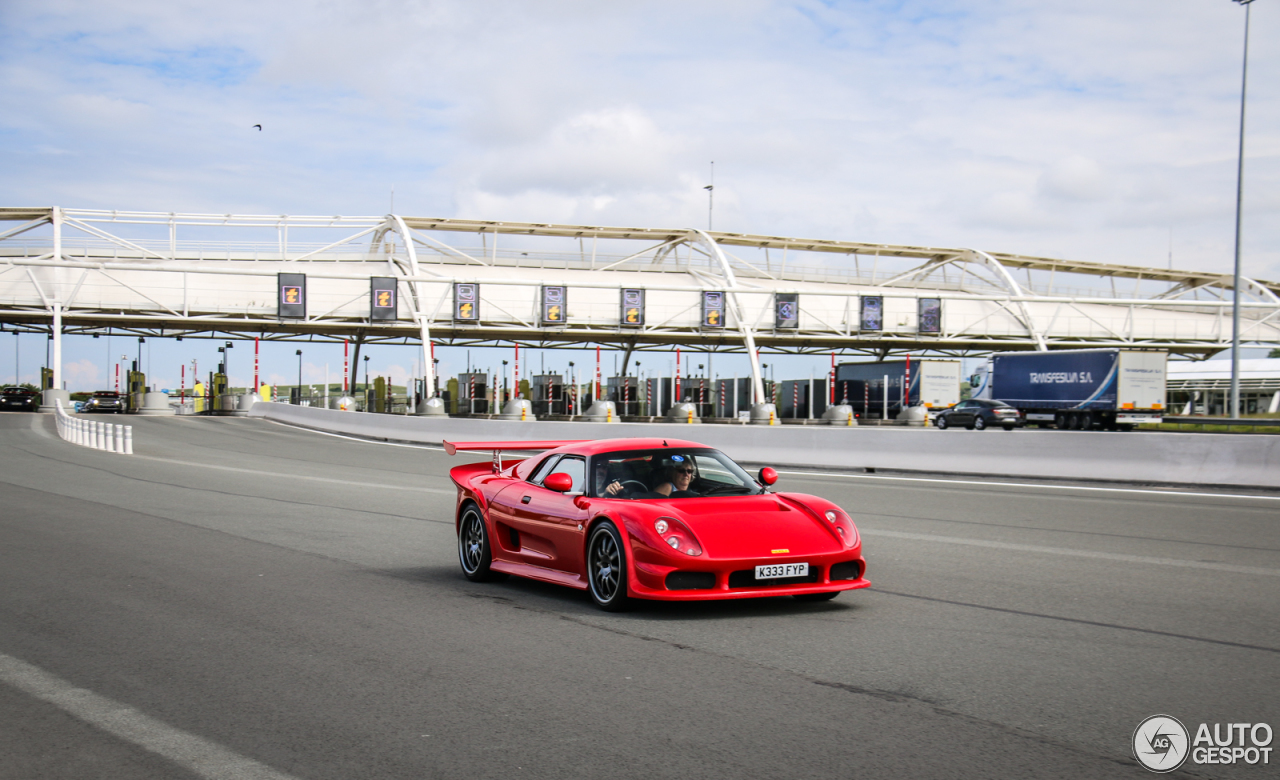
<point x="243" y="599"/>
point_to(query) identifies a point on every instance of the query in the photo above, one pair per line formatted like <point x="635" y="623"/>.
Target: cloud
<point x="81" y="375"/>
<point x="1082" y="130"/>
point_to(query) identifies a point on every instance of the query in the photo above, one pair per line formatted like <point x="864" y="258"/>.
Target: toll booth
<point x="473" y="393"/>
<point x="46" y="378"/>
<point x="549" y="396"/>
<point x="794" y="398"/>
<point x="624" y="391"/>
<point x="217" y="391"/>
<point x="733" y="396"/>
<point x="655" y="394"/>
<point x="378" y="402"/>
<point x="699" y="391"/>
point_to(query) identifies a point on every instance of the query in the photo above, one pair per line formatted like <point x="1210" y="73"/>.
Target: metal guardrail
<point x="92" y="433"/>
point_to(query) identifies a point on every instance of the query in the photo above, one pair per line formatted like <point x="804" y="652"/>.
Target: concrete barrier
<point x="1170" y="458"/>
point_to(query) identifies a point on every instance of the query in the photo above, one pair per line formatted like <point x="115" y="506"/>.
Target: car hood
<point x="750" y="526"/>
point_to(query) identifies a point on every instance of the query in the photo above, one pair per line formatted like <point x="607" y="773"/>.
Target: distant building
<point x="1203" y="387"/>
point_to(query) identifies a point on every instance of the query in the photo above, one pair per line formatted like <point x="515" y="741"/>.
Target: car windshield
<point x="669" y="473"/>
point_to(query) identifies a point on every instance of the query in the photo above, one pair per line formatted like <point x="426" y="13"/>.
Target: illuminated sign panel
<point x="466" y="302"/>
<point x="632" y="315"/>
<point x="786" y="311"/>
<point x="872" y="313"/>
<point x="291" y="300"/>
<point x="930" y="315"/>
<point x="553" y="305"/>
<point x="382" y="298"/>
<point x="712" y="309"/>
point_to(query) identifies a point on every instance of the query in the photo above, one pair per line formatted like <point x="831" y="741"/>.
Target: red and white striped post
<point x="117" y="377"/>
<point x="906" y="384"/>
<point x="346" y="367"/>
<point x="676" y="391"/>
<point x="255" y="370"/>
<point x="182" y="391"/>
<point x="832" y="402"/>
<point x="596" y="396"/>
<point x="795" y="399"/>
<point x="648" y="393"/>
<point x="515" y="390"/>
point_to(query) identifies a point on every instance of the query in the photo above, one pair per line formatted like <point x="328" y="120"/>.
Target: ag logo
<point x="1160" y="743"/>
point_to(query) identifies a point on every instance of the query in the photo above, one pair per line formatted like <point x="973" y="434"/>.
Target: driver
<point x="605" y="487"/>
<point x="679" y="476"/>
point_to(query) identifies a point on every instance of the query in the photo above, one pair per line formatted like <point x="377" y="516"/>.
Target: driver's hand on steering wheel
<point x="615" y="487"/>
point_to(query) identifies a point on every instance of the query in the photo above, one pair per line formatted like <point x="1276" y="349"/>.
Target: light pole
<point x="711" y="194"/>
<point x="226" y="366"/>
<point x="366" y="383"/>
<point x="504" y="381"/>
<point x="299" y="377"/>
<point x="1235" y="286"/>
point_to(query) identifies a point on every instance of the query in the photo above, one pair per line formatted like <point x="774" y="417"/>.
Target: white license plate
<point x="776" y="571"/>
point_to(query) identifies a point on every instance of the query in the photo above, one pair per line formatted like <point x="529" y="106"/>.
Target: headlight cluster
<point x="843" y="526"/>
<point x="677" y="535"/>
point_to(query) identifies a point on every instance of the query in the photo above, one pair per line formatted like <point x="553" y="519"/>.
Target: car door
<point x="549" y="525"/>
<point x="962" y="414"/>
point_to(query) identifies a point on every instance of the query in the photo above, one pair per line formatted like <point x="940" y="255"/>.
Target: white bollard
<point x="128" y="440"/>
<point x="119" y="440"/>
<point x="111" y="438"/>
<point x="99" y="435"/>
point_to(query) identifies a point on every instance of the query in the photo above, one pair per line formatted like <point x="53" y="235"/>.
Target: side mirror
<point x="559" y="482"/>
<point x="768" y="476"/>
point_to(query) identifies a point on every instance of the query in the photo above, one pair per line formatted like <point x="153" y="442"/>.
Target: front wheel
<point x="474" y="552"/>
<point x="816" y="596"/>
<point x="980" y="424"/>
<point x="940" y="423"/>
<point x="607" y="568"/>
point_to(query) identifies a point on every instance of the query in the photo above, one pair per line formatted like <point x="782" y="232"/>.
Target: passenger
<point x="678" y="478"/>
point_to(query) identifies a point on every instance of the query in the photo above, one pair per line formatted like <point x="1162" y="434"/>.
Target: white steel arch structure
<point x="169" y="274"/>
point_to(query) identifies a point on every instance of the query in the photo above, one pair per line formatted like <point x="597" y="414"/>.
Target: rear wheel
<point x="816" y="596"/>
<point x="474" y="552"/>
<point x="607" y="568"/>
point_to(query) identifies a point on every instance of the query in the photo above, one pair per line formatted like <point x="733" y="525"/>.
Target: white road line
<point x="1106" y="556"/>
<point x="197" y="754"/>
<point x="982" y="483"/>
<point x="259" y="472"/>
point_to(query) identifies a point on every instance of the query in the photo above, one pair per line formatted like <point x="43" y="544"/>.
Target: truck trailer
<point x="1079" y="389"/>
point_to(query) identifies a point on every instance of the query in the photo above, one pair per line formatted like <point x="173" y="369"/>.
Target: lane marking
<point x="1027" y="485"/>
<point x="441" y="491"/>
<point x="1106" y="556"/>
<point x="195" y="753"/>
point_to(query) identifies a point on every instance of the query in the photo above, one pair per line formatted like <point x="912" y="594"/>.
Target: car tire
<point x="979" y="423"/>
<point x="1009" y="426"/>
<point x="607" y="568"/>
<point x="940" y="423"/>
<point x="474" y="552"/>
<point x="816" y="596"/>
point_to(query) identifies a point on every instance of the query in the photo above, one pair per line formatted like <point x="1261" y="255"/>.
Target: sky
<point x="1093" y="130"/>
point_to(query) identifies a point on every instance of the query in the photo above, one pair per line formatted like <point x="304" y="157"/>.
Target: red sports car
<point x="648" y="519"/>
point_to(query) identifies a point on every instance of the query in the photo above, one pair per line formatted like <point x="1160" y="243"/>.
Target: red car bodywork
<point x="542" y="534"/>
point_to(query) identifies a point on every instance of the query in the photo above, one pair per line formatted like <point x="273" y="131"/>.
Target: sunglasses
<point x="684" y="471"/>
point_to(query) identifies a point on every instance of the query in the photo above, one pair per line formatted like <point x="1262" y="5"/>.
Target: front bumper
<point x="734" y="579"/>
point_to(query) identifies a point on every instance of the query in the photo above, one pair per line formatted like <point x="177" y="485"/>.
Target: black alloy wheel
<point x="607" y="568"/>
<point x="941" y="422"/>
<point x="979" y="423"/>
<point x="473" y="547"/>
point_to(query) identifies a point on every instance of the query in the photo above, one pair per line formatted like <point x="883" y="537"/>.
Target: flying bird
<point x="259" y="128"/>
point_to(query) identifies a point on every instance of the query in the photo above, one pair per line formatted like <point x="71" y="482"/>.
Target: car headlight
<point x="677" y="535"/>
<point x="841" y="523"/>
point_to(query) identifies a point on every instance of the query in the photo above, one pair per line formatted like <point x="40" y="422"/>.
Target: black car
<point x="980" y="414"/>
<point x="19" y="399"/>
<point x="105" y="401"/>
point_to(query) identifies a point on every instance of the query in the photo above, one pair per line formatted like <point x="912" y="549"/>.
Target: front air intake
<point x="691" y="580"/>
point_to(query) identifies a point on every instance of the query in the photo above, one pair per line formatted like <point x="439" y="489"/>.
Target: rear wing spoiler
<point x="498" y="447"/>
